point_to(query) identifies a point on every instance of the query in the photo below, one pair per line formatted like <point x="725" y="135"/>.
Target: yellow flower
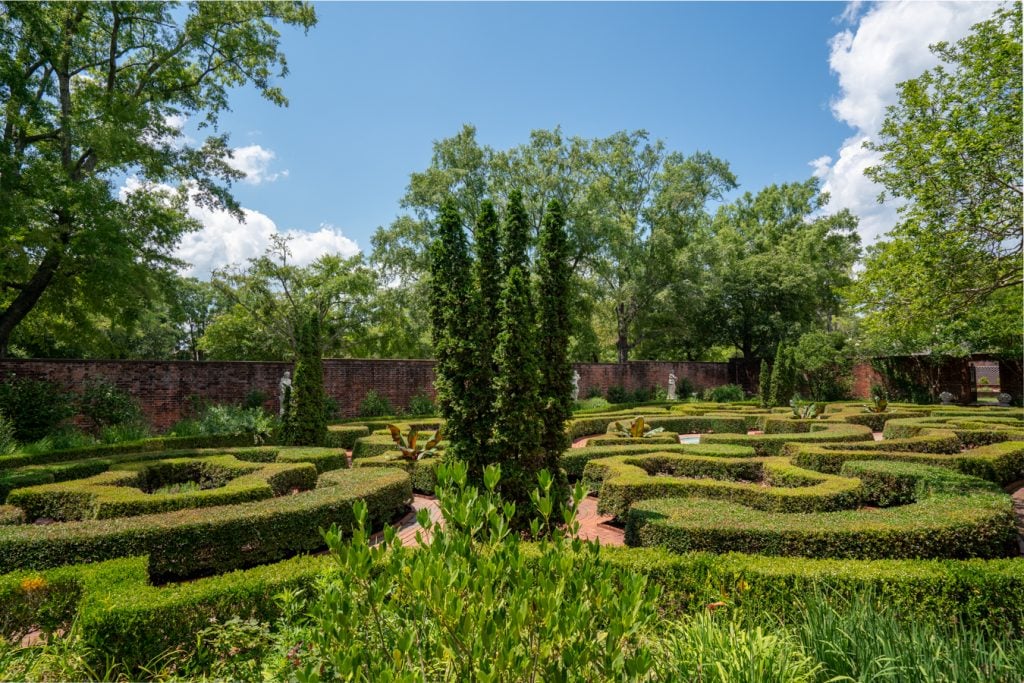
<point x="33" y="583"/>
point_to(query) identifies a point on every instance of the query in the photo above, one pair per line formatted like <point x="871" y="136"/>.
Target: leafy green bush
<point x="618" y="394"/>
<point x="131" y="431"/>
<point x="534" y="617"/>
<point x="421" y="405"/>
<point x="823" y="362"/>
<point x="344" y="436"/>
<point x="375" y="405"/>
<point x="8" y="442"/>
<point x="228" y="419"/>
<point x="254" y="399"/>
<point x="727" y="393"/>
<point x="592" y="403"/>
<point x="36" y="407"/>
<point x="104" y="405"/>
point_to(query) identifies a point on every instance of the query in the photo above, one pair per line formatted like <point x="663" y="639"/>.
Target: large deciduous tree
<point x="948" y="278"/>
<point x="92" y="92"/>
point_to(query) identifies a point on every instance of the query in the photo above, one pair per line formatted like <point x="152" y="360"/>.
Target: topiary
<point x="306" y="423"/>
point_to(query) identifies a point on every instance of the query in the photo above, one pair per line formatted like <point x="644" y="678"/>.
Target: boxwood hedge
<point x="952" y="516"/>
<point x="195" y="542"/>
<point x="773" y="444"/>
<point x="624" y="480"/>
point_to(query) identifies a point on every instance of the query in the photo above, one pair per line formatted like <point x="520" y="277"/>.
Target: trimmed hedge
<point x="953" y="516"/>
<point x="422" y="472"/>
<point x="344" y="436"/>
<point x="121" y="492"/>
<point x="773" y="444"/>
<point x="876" y="421"/>
<point x="195" y="542"/>
<point x="324" y="459"/>
<point x="611" y="439"/>
<point x="379" y="444"/>
<point x="625" y="480"/>
<point x="574" y="460"/>
<point x="158" y="444"/>
<point x="1002" y="463"/>
<point x="982" y="593"/>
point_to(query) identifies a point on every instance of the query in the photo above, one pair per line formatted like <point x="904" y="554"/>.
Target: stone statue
<point x="671" y="386"/>
<point x="284" y="389"/>
<point x="575" y="385"/>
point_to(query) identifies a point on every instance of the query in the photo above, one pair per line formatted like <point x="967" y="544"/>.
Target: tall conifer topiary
<point x="516" y="441"/>
<point x="764" y="383"/>
<point x="488" y="278"/>
<point x="554" y="327"/>
<point x="453" y="318"/>
<point x="306" y="421"/>
<point x="776" y="387"/>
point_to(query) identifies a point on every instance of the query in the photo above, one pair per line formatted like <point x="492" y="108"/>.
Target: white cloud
<point x="223" y="240"/>
<point x="888" y="45"/>
<point x="254" y="161"/>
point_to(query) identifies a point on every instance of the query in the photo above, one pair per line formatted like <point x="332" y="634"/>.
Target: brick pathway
<point x="1016" y="492"/>
<point x="595" y="527"/>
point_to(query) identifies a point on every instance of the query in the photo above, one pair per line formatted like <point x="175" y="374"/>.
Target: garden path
<point x="1016" y="491"/>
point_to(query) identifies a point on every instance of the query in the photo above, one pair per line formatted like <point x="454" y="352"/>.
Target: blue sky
<point x="780" y="90"/>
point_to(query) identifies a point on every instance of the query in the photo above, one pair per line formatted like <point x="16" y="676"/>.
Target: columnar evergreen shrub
<point x="517" y="422"/>
<point x="489" y="279"/>
<point x="783" y="379"/>
<point x="306" y="424"/>
<point x="455" y="320"/>
<point x="764" y="383"/>
<point x="555" y="324"/>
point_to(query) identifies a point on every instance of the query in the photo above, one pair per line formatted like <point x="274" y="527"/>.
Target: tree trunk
<point x="29" y="293"/>
<point x="622" y="344"/>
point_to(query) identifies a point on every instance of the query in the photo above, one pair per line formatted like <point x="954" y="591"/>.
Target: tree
<point x="271" y="300"/>
<point x="776" y="267"/>
<point x="306" y="421"/>
<point x="516" y="442"/>
<point x="823" y="363"/>
<point x="92" y="93"/>
<point x="554" y="328"/>
<point x="951" y="150"/>
<point x="764" y="384"/>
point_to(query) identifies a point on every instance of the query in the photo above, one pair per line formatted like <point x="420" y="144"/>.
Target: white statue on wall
<point x="284" y="389"/>
<point x="575" y="385"/>
<point x="671" y="386"/>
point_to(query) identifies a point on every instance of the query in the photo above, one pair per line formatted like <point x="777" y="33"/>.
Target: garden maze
<point x="144" y="543"/>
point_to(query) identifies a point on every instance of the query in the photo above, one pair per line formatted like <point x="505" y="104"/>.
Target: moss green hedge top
<point x="763" y="483"/>
<point x="194" y="542"/>
<point x="951" y="516"/>
<point x="158" y="444"/>
<point x="773" y="444"/>
<point x="134" y="488"/>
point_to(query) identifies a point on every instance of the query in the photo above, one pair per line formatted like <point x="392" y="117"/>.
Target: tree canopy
<point x="96" y="92"/>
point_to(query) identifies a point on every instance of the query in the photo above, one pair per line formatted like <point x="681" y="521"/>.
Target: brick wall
<point x="166" y="388"/>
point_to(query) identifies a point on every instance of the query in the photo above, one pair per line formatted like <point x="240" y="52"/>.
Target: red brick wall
<point x="863" y="377"/>
<point x="164" y="388"/>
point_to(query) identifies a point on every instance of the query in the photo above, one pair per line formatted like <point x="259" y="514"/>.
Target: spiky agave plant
<point x="409" y="446"/>
<point x="637" y="429"/>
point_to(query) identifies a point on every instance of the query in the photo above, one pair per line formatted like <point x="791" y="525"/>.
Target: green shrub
<point x="91" y="450"/>
<point x="618" y="394"/>
<point x="774" y="444"/>
<point x="574" y="460"/>
<point x="8" y="442"/>
<point x="228" y="419"/>
<point x="422" y="472"/>
<point x="194" y="542"/>
<point x="130" y="431"/>
<point x="105" y="405"/>
<point x="375" y="405"/>
<point x="255" y="399"/>
<point x="727" y="393"/>
<point x="305" y="421"/>
<point x="36" y="407"/>
<point x="421" y="405"/>
<point x="592" y="403"/>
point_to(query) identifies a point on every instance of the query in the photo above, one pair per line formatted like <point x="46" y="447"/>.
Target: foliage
<point x="399" y="613"/>
<point x="228" y="419"/>
<point x="554" y="324"/>
<point x="121" y="433"/>
<point x="375" y="405"/>
<point x="104" y="405"/>
<point x="8" y="441"/>
<point x="95" y="93"/>
<point x="764" y="383"/>
<point x="306" y="421"/>
<point x="725" y="393"/>
<point x="421" y="405"/>
<point x="782" y="385"/>
<point x="807" y="410"/>
<point x="272" y="299"/>
<point x="408" y="444"/>
<point x="637" y="428"/>
<point x="254" y="399"/>
<point x="36" y="407"/>
<point x="878" y="405"/>
<point x="823" y="365"/>
<point x="948" y="277"/>
<point x="518" y="420"/>
<point x="462" y="381"/>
